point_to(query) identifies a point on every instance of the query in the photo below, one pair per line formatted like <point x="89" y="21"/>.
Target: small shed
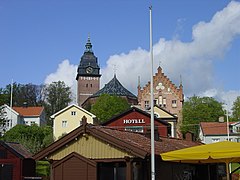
<point x="15" y="161"/>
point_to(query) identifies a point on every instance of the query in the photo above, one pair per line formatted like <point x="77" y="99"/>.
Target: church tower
<point x="88" y="74"/>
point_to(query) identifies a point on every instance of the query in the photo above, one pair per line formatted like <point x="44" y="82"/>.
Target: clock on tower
<point x="88" y="74"/>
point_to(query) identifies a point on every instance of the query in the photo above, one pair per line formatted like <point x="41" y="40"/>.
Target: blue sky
<point x="43" y="41"/>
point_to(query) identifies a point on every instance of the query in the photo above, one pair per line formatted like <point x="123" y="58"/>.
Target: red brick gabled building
<point x="166" y="95"/>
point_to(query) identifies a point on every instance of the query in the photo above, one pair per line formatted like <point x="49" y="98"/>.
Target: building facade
<point x="68" y="119"/>
<point x="16" y="162"/>
<point x="21" y="115"/>
<point x="88" y="75"/>
<point x="211" y="132"/>
<point x="137" y="120"/>
<point x="103" y="153"/>
<point x="166" y="95"/>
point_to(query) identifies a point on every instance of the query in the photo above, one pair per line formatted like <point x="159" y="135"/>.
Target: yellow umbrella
<point x="225" y="151"/>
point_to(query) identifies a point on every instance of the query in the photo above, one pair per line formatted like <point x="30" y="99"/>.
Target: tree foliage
<point x="107" y="106"/>
<point x="57" y="96"/>
<point x="32" y="137"/>
<point x="22" y="93"/>
<point x="236" y="109"/>
<point x="200" y="109"/>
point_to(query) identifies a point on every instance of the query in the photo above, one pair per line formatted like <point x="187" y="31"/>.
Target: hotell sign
<point x="133" y="121"/>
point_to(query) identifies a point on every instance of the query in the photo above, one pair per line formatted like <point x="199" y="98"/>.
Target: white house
<point x="10" y="118"/>
<point x="21" y="115"/>
<point x="211" y="132"/>
<point x="31" y="115"/>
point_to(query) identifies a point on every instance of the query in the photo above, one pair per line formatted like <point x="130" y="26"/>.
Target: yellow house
<point x="168" y="117"/>
<point x="68" y="119"/>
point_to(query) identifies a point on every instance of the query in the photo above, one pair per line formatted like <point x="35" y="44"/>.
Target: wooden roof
<point x="131" y="142"/>
<point x="17" y="149"/>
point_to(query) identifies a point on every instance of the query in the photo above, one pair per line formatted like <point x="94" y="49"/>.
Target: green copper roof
<point x="114" y="87"/>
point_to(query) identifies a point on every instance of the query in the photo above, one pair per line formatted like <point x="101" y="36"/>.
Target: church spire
<point x="88" y="45"/>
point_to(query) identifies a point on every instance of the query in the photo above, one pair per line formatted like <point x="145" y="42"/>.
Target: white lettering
<point x="133" y="121"/>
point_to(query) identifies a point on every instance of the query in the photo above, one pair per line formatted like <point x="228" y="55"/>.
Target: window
<point x="32" y="123"/>
<point x="91" y="85"/>
<point x="64" y="124"/>
<point x="3" y="154"/>
<point x="160" y="100"/>
<point x="215" y="139"/>
<point x="164" y="102"/>
<point x="134" y="128"/>
<point x="146" y="104"/>
<point x="155" y="101"/>
<point x="174" y="103"/>
<point x="73" y="113"/>
<point x="86" y="85"/>
<point x="237" y="139"/>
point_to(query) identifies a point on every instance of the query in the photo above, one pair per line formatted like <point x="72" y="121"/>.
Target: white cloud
<point x="192" y="60"/>
<point x="65" y="72"/>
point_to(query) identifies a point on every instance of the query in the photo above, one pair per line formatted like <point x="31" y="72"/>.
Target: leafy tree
<point x="200" y="109"/>
<point x="57" y="96"/>
<point x="29" y="93"/>
<point x="236" y="109"/>
<point x="32" y="137"/>
<point x="4" y="96"/>
<point x="2" y="120"/>
<point x="107" y="106"/>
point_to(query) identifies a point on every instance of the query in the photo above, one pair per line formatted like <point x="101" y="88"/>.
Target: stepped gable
<point x="166" y="81"/>
<point x="114" y="87"/>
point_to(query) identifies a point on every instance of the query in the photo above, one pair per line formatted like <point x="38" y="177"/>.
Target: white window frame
<point x="64" y="123"/>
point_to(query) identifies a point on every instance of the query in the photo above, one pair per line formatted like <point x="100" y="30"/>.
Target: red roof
<point x="132" y="142"/>
<point x="165" y="144"/>
<point x="214" y="128"/>
<point x="29" y="111"/>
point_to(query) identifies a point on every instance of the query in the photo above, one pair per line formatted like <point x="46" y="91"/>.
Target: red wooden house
<point x="138" y="120"/>
<point x="16" y="162"/>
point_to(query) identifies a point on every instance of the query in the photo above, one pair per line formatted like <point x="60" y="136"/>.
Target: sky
<point x="199" y="41"/>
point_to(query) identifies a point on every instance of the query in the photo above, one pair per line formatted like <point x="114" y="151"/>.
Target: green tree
<point x="200" y="109"/>
<point x="236" y="109"/>
<point x="57" y="96"/>
<point x="22" y="93"/>
<point x="32" y="137"/>
<point x="2" y="120"/>
<point x="107" y="106"/>
<point x="4" y="96"/>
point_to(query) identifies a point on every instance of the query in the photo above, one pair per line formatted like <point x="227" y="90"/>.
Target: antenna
<point x="114" y="69"/>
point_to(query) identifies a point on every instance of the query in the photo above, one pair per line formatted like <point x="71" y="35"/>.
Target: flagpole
<point x="152" y="111"/>
<point x="11" y="100"/>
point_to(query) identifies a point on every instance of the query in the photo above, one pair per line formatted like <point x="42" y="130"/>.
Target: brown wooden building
<point x="100" y="153"/>
<point x="15" y="162"/>
<point x="137" y="120"/>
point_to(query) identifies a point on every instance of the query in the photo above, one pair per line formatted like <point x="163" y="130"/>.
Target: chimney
<point x="221" y="119"/>
<point x="25" y="104"/>
<point x="189" y="136"/>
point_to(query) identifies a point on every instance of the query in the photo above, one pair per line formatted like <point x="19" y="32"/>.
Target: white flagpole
<point x="11" y="99"/>
<point x="152" y="110"/>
